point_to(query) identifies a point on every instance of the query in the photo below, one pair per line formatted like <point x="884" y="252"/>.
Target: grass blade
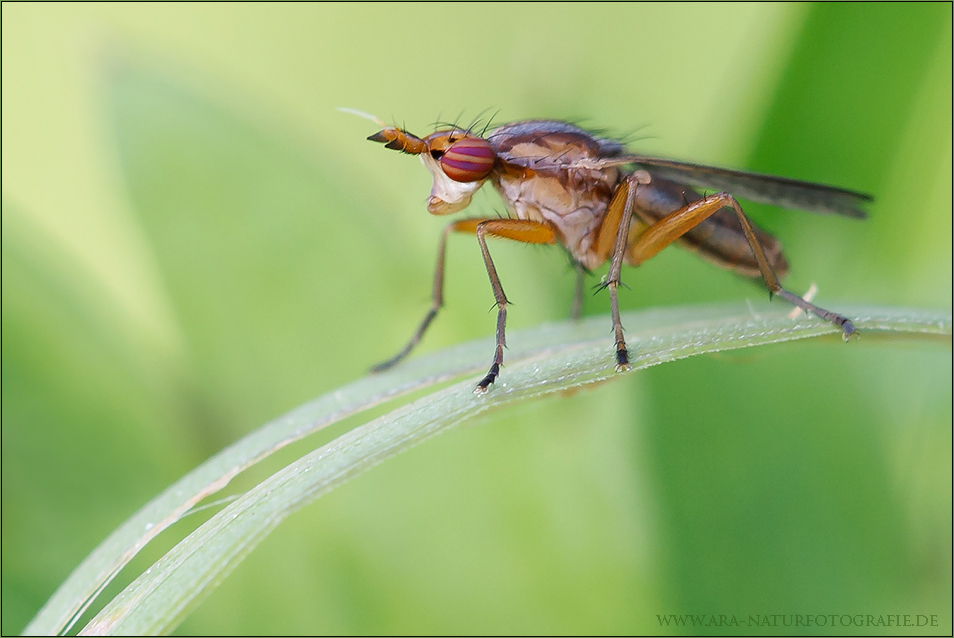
<point x="544" y="360"/>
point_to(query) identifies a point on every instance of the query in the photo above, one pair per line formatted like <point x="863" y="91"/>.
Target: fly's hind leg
<point x="672" y="227"/>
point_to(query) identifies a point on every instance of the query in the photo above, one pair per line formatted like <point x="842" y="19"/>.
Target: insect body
<point x="564" y="185"/>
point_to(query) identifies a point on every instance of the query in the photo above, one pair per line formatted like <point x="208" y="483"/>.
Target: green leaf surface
<point x="195" y="240"/>
<point x="549" y="359"/>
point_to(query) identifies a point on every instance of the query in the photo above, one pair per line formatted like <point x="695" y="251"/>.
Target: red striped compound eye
<point x="468" y="160"/>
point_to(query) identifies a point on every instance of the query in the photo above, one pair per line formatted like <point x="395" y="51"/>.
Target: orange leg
<point x="611" y="240"/>
<point x="673" y="226"/>
<point x="526" y="231"/>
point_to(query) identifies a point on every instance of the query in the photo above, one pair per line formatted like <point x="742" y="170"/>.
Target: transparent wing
<point x="766" y="189"/>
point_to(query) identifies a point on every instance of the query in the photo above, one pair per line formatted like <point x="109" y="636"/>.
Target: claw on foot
<point x="487" y="381"/>
<point x="622" y="360"/>
<point x="847" y="329"/>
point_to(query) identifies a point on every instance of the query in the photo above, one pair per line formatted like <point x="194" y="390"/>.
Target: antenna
<point x="367" y="116"/>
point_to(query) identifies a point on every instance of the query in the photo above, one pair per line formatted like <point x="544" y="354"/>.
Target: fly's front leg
<point x="520" y="230"/>
<point x="613" y="235"/>
<point x="673" y="226"/>
<point x="437" y="294"/>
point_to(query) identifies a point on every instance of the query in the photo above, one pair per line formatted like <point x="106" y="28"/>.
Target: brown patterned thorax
<point x="550" y="171"/>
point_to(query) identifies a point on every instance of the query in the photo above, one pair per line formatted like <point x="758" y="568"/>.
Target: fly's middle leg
<point x="611" y="240"/>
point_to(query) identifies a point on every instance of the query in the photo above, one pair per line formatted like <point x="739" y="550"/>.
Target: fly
<point x="564" y="185"/>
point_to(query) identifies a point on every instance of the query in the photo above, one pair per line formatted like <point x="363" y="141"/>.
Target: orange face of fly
<point x="458" y="161"/>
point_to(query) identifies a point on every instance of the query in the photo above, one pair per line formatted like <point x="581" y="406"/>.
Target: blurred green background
<point x="196" y="241"/>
